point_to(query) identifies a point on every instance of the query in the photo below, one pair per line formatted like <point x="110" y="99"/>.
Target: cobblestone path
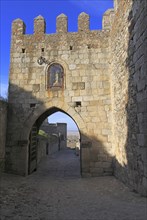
<point x="57" y="192"/>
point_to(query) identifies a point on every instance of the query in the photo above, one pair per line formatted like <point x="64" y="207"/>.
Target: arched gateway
<point x="35" y="120"/>
<point x="65" y="71"/>
<point x="95" y="76"/>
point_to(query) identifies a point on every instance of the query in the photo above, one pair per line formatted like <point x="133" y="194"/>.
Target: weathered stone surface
<point x="83" y="22"/>
<point x="75" y="52"/>
<point x="3" y="127"/>
<point x="100" y="81"/>
<point x="62" y="24"/>
<point x="130" y="92"/>
<point x="39" y="25"/>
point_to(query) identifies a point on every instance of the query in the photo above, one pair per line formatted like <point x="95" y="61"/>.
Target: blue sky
<point x="29" y="9"/>
<point x="61" y="117"/>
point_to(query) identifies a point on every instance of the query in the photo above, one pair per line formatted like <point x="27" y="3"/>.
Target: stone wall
<point x="84" y="94"/>
<point x="47" y="146"/>
<point x="58" y="130"/>
<point x="62" y="131"/>
<point x="42" y="146"/>
<point x="129" y="93"/>
<point x="101" y="85"/>
<point x="3" y="126"/>
<point x="53" y="146"/>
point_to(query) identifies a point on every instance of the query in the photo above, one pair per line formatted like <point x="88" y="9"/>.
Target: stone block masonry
<point x="96" y="77"/>
<point x="82" y="90"/>
<point x="129" y="92"/>
<point x="57" y="133"/>
<point x="3" y="127"/>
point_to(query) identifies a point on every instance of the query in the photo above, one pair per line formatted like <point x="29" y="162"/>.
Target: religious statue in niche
<point x="55" y="75"/>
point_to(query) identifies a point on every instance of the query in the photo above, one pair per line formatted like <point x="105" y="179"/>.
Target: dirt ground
<point x="57" y="192"/>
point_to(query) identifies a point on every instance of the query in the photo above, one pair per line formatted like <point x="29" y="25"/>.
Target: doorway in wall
<point x="55" y="144"/>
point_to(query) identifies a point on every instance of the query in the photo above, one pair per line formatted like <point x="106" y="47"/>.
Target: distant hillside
<point x="73" y="132"/>
<point x="72" y="138"/>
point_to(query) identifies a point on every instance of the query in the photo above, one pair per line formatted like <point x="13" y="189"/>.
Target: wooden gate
<point x="33" y="150"/>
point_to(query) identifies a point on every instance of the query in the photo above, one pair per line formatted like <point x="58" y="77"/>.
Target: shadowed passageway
<point x="62" y="164"/>
<point x="57" y="192"/>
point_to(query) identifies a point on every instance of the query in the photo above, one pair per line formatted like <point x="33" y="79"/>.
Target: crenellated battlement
<point x="39" y="25"/>
<point x="61" y="24"/>
<point x="83" y="22"/>
<point x="108" y="19"/>
<point x="68" y="70"/>
<point x="18" y="26"/>
<point x="97" y="77"/>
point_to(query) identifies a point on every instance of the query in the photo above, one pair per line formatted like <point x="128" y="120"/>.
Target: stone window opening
<point x="32" y="105"/>
<point x="42" y="50"/>
<point x="23" y="50"/>
<point x="77" y="104"/>
<point x="71" y="47"/>
<point x="88" y="46"/>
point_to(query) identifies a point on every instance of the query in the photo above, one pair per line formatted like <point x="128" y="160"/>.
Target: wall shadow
<point x="24" y="111"/>
<point x="134" y="173"/>
<point x="59" y="143"/>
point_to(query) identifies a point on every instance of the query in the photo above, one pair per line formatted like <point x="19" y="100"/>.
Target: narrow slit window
<point x="23" y="50"/>
<point x="78" y="104"/>
<point x="32" y="105"/>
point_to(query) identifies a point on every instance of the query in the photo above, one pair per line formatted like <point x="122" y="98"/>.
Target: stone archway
<point x="75" y="81"/>
<point x="47" y="107"/>
<point x="39" y="115"/>
<point x="34" y="143"/>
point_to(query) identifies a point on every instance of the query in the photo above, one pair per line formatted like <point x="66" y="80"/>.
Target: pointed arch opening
<point x="48" y="137"/>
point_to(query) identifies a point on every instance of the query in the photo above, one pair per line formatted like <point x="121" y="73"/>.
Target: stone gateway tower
<point x="97" y="77"/>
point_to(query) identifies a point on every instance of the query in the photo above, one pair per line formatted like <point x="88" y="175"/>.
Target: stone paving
<point x="57" y="192"/>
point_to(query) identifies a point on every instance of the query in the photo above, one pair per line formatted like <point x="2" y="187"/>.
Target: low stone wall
<point x="62" y="131"/>
<point x="48" y="146"/>
<point x="42" y="148"/>
<point x="3" y="126"/>
<point x="53" y="144"/>
<point x="56" y="129"/>
<point x="71" y="144"/>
